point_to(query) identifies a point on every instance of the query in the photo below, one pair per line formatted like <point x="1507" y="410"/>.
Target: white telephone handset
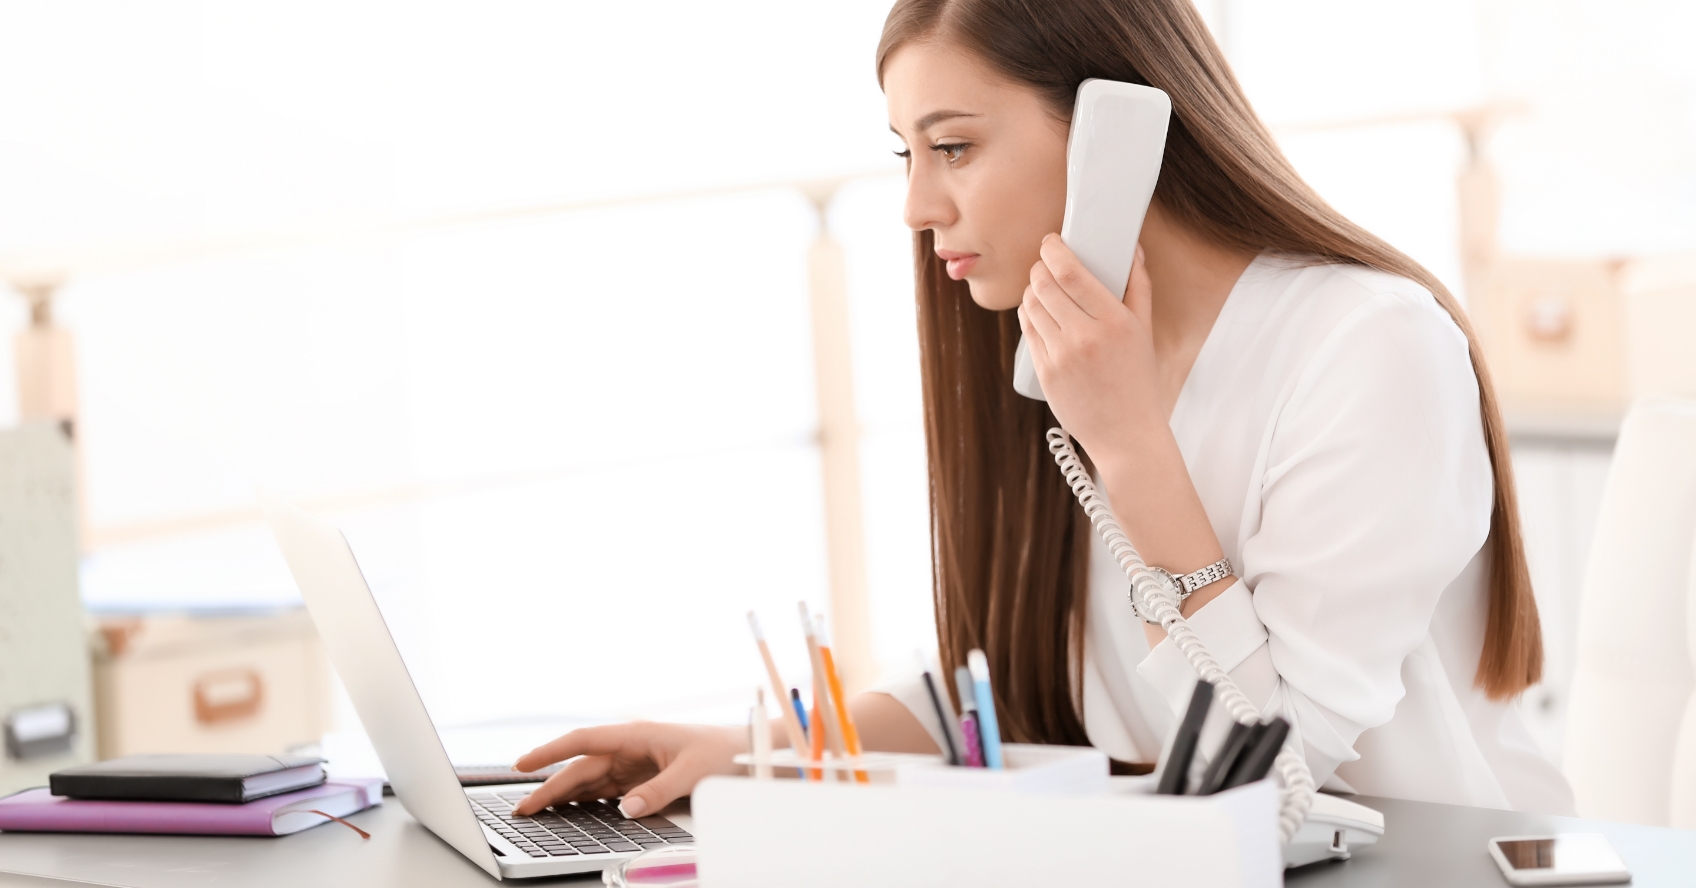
<point x="1112" y="162"/>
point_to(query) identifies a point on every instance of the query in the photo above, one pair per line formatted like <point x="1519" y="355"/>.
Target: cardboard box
<point x="233" y="683"/>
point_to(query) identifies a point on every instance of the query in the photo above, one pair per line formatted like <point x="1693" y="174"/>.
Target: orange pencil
<point x="818" y="735"/>
<point x="831" y="725"/>
<point x="850" y="736"/>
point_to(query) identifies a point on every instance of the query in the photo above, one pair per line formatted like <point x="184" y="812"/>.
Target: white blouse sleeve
<point x="1375" y="492"/>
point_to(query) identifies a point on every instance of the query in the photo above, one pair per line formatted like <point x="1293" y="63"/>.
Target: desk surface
<point x="1424" y="845"/>
<point x="1427" y="845"/>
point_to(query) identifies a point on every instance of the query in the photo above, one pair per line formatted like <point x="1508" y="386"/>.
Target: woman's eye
<point x="950" y="151"/>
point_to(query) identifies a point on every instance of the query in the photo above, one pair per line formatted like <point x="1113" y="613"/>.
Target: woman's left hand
<point x="1093" y="353"/>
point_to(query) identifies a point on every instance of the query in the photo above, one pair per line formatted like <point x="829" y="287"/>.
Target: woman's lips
<point x="959" y="264"/>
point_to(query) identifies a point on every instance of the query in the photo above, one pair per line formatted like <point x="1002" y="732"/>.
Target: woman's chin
<point x="994" y="298"/>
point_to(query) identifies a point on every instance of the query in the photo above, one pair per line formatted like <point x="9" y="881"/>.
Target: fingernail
<point x="632" y="806"/>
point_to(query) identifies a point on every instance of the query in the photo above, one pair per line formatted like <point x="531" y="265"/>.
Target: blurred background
<point x="592" y="325"/>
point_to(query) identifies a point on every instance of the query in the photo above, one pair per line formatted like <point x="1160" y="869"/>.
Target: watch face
<point x="1170" y="582"/>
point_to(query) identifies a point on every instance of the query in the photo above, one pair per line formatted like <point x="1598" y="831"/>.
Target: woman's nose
<point x="927" y="205"/>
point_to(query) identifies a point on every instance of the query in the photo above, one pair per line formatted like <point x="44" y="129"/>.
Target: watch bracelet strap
<point x="1210" y="574"/>
<point x="1188" y="583"/>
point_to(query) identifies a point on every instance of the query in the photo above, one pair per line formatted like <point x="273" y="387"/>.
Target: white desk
<point x="1425" y="845"/>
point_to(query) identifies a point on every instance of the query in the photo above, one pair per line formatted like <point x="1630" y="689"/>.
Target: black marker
<point x="1256" y="762"/>
<point x="1214" y="778"/>
<point x="1184" y="742"/>
<point x="1256" y="730"/>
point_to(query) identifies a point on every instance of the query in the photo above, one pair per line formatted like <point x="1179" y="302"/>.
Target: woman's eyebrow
<point x="936" y="117"/>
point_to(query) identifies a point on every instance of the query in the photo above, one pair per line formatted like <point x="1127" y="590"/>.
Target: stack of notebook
<point x="248" y="795"/>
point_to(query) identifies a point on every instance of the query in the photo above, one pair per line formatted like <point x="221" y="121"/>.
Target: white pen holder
<point x="879" y="767"/>
<point x="1051" y="770"/>
<point x="939" y="825"/>
<point x="1031" y="769"/>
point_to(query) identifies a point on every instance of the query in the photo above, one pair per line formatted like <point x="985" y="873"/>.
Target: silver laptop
<point x="476" y="821"/>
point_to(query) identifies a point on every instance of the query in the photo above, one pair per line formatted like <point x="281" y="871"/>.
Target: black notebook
<point x="188" y="778"/>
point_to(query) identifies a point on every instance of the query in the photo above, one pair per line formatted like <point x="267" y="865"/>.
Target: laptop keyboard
<point x="576" y="828"/>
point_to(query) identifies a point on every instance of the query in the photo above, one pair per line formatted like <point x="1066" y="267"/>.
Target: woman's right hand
<point x="650" y="764"/>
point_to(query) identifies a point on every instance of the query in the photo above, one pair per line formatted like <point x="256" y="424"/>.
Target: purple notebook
<point x="37" y="810"/>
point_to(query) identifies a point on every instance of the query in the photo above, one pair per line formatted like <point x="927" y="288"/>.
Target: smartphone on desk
<point x="1567" y="859"/>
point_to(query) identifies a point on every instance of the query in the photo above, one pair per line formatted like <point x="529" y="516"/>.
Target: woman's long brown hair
<point x="1010" y="544"/>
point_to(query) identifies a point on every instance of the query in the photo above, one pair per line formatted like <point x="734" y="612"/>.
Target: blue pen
<point x="987" y="725"/>
<point x="800" y="710"/>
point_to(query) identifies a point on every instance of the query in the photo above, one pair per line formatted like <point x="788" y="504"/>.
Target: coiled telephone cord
<point x="1151" y="595"/>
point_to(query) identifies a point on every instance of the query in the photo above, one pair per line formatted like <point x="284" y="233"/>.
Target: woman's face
<point x="986" y="166"/>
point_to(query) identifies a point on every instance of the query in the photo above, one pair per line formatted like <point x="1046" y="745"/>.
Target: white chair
<point x="1631" y="726"/>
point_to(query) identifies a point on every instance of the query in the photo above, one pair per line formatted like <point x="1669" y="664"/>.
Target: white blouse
<point x="1331" y="427"/>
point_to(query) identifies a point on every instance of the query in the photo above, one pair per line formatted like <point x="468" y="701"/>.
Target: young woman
<point x="1278" y="390"/>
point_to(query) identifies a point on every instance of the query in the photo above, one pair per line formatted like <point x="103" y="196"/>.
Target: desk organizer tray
<point x="936" y="825"/>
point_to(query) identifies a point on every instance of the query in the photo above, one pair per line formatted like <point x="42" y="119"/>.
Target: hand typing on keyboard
<point x="650" y="764"/>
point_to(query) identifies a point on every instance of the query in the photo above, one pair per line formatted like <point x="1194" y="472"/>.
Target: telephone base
<point x="1334" y="827"/>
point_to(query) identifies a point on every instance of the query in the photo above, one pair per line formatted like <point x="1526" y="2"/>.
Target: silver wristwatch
<point x="1188" y="583"/>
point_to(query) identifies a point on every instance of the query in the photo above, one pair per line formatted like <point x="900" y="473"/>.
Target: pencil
<point x="941" y="719"/>
<point x="987" y="724"/>
<point x="831" y="728"/>
<point x="792" y="726"/>
<point x="817" y="749"/>
<point x="968" y="718"/>
<point x="800" y="709"/>
<point x="850" y="735"/>
<point x="759" y="735"/>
